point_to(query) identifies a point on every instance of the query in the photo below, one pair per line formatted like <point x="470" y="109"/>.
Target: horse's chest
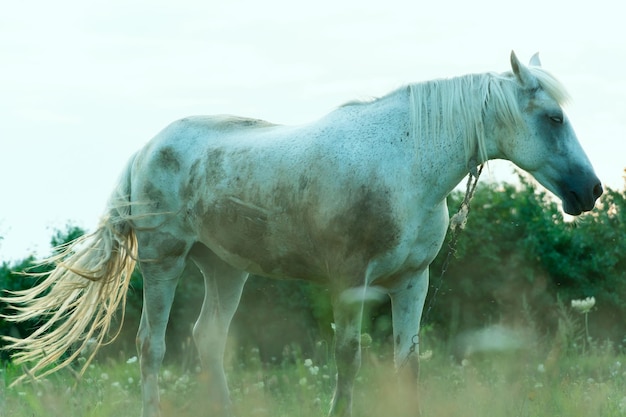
<point x="427" y="237"/>
<point x="425" y="250"/>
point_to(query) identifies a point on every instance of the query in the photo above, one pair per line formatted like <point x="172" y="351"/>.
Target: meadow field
<point x="518" y="262"/>
<point x="521" y="383"/>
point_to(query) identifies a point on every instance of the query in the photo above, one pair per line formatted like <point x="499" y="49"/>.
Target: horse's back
<point x="201" y="131"/>
<point x="179" y="148"/>
<point x="224" y="122"/>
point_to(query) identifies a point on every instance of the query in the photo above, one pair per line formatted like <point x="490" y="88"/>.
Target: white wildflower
<point x="182" y="382"/>
<point x="584" y="306"/>
<point x="426" y="355"/>
<point x="303" y="382"/>
<point x="308" y="363"/>
<point x="314" y="370"/>
<point x="167" y="375"/>
<point x="541" y="368"/>
<point x="104" y="376"/>
<point x="132" y="360"/>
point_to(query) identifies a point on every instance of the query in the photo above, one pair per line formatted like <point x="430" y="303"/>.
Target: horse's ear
<point x="523" y="74"/>
<point x="535" y="61"/>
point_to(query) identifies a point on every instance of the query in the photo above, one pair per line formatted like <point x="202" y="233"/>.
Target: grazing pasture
<point x="498" y="384"/>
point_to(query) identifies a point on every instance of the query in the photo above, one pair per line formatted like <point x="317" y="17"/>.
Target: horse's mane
<point x="455" y="107"/>
<point x="551" y="85"/>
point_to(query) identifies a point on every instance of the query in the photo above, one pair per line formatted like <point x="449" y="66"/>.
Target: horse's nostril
<point x="597" y="190"/>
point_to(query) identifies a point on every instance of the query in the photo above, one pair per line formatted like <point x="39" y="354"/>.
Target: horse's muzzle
<point x="581" y="199"/>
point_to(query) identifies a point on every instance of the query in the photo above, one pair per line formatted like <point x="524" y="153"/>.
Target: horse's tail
<point x="76" y="302"/>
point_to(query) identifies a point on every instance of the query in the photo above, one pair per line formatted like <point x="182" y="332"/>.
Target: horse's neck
<point x="443" y="157"/>
<point x="439" y="161"/>
<point x="441" y="164"/>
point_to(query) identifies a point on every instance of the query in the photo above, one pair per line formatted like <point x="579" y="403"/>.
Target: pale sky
<point x="84" y="84"/>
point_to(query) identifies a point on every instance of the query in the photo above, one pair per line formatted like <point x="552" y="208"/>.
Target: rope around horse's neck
<point x="457" y="224"/>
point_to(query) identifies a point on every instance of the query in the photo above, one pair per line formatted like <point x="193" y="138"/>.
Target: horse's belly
<point x="258" y="254"/>
<point x="296" y="243"/>
<point x="259" y="261"/>
<point x="288" y="255"/>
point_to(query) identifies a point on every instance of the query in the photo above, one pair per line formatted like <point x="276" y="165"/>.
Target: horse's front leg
<point x="407" y="303"/>
<point x="348" y="311"/>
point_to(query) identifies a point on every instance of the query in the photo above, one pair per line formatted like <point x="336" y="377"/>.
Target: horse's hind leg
<point x="223" y="287"/>
<point x="160" y="279"/>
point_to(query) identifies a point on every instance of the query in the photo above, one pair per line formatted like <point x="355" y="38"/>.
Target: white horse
<point x="354" y="200"/>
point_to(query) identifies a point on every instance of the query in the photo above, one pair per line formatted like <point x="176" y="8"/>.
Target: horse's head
<point x="544" y="143"/>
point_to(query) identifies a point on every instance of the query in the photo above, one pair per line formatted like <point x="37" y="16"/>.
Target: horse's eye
<point x="557" y="119"/>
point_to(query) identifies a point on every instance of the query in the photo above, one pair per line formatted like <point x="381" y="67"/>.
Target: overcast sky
<point x="83" y="84"/>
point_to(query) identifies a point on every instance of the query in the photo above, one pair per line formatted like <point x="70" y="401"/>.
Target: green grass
<point x="517" y="384"/>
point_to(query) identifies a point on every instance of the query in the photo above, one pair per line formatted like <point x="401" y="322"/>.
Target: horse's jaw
<point x="578" y="193"/>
